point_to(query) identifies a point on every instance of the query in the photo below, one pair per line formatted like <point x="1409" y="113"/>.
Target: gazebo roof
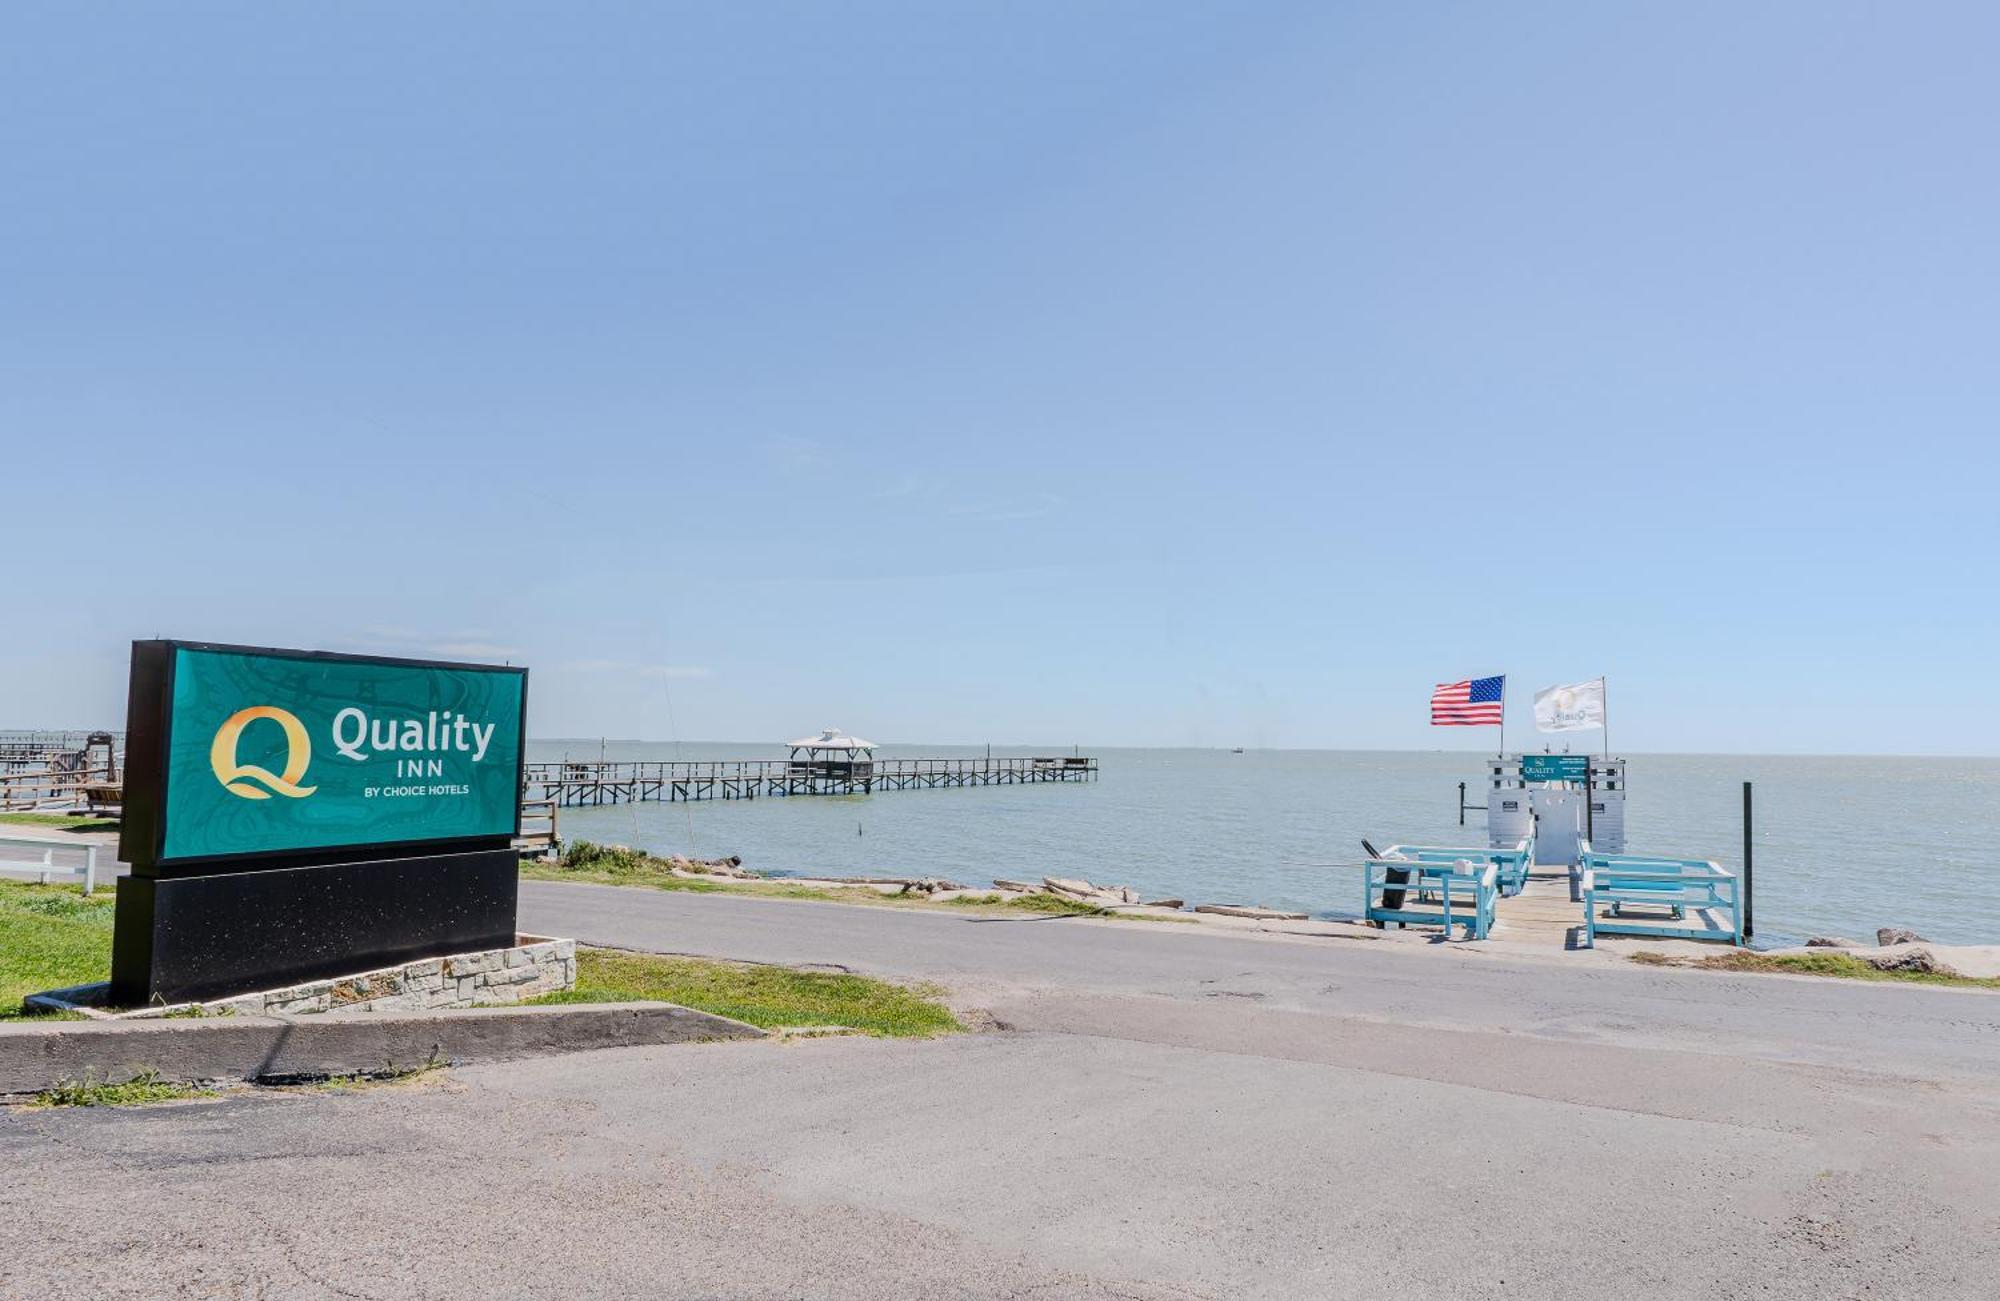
<point x="831" y="739"/>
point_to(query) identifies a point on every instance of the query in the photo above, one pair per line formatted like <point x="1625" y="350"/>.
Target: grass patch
<point x="143" y="1088"/>
<point x="1042" y="902"/>
<point x="613" y="860"/>
<point x="663" y="879"/>
<point x="1047" y="903"/>
<point x="769" y="997"/>
<point x="1831" y="963"/>
<point x="584" y="860"/>
<point x="51" y="936"/>
<point x="62" y="820"/>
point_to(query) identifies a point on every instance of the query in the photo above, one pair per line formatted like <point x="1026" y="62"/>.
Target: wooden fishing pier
<point x="60" y="769"/>
<point x="571" y="783"/>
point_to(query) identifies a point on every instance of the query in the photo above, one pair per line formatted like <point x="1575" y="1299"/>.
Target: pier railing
<point x="1514" y="864"/>
<point x="1611" y="883"/>
<point x="576" y="782"/>
<point x="55" y="788"/>
<point x="1413" y="892"/>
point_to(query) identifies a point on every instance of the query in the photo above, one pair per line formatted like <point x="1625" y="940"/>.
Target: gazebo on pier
<point x="833" y="755"/>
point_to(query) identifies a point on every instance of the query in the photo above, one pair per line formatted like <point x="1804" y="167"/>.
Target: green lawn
<point x="62" y="820"/>
<point x="51" y="936"/>
<point x="769" y="997"/>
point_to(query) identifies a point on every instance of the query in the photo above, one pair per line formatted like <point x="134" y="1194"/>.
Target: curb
<point x="35" y="1057"/>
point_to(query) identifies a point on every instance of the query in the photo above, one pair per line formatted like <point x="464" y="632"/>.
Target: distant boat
<point x="1237" y="750"/>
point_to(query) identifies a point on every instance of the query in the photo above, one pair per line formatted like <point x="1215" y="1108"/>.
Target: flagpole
<point x="1503" y="717"/>
<point x="1604" y="699"/>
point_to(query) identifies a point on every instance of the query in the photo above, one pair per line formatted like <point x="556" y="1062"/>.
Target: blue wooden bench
<point x="1412" y="891"/>
<point x="1614" y="883"/>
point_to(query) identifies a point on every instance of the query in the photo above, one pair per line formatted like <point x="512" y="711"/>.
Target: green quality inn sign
<point x="268" y="752"/>
<point x="295" y="815"/>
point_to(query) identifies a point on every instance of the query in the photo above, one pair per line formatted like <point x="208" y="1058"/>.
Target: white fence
<point x="43" y="861"/>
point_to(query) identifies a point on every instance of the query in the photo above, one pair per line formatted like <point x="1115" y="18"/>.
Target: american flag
<point x="1474" y="702"/>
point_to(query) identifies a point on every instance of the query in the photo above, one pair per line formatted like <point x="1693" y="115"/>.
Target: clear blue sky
<point x="1072" y="372"/>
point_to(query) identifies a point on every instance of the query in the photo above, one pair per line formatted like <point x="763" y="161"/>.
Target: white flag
<point x="1570" y="709"/>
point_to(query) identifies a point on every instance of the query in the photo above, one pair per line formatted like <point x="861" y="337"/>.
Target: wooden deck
<point x="1543" y="913"/>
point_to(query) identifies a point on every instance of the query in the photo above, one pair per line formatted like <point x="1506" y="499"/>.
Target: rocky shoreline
<point x="1080" y="891"/>
<point x="1896" y="950"/>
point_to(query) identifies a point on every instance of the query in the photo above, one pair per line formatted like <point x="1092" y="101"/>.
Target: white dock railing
<point x="44" y="865"/>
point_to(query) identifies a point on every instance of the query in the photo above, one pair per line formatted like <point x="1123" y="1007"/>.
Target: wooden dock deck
<point x="569" y="784"/>
<point x="1543" y="913"/>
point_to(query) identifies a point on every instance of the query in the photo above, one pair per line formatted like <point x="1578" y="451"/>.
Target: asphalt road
<point x="1174" y="1114"/>
<point x="991" y="962"/>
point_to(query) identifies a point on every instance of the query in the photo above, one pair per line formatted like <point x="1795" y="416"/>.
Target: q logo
<point x="233" y="775"/>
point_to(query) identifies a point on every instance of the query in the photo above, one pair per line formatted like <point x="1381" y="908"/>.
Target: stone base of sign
<point x="533" y="965"/>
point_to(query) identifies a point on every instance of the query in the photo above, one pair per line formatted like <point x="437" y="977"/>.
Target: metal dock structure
<point x="571" y="783"/>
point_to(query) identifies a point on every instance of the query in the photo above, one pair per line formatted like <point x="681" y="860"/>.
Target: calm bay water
<point x="1844" y="844"/>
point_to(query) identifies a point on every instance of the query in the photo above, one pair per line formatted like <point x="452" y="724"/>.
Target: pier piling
<point x="1749" y="894"/>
